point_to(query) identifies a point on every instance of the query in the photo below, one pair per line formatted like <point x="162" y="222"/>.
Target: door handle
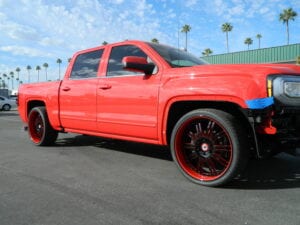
<point x="105" y="86"/>
<point x="66" y="89"/>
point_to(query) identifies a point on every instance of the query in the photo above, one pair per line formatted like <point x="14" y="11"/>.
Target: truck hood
<point x="251" y="70"/>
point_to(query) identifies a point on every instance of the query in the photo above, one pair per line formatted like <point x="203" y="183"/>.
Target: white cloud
<point x="191" y="3"/>
<point x="20" y="50"/>
<point x="15" y="30"/>
<point x="48" y="42"/>
<point x="118" y="2"/>
<point x="239" y="10"/>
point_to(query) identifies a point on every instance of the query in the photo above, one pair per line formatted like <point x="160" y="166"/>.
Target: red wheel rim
<point x="36" y="127"/>
<point x="203" y="148"/>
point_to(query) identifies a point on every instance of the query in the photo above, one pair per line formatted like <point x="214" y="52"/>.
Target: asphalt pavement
<point x="85" y="180"/>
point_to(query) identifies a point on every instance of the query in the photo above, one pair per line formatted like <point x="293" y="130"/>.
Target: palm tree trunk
<point x="186" y="41"/>
<point x="287" y="32"/>
<point x="59" y="71"/>
<point x="227" y="42"/>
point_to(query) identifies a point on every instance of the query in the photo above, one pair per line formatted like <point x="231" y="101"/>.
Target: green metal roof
<point x="280" y="54"/>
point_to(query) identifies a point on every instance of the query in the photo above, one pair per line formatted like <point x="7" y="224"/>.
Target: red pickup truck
<point x="213" y="117"/>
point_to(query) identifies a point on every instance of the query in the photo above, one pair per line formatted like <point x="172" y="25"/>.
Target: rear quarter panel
<point x="40" y="93"/>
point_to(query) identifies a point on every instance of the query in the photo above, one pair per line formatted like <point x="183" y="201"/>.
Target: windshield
<point x="176" y="57"/>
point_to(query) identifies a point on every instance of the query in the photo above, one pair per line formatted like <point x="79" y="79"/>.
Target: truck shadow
<point x="279" y="172"/>
<point x="153" y="151"/>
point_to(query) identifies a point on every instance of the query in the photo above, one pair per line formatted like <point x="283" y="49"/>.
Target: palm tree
<point x="59" y="62"/>
<point x="248" y="41"/>
<point x="5" y="76"/>
<point x="185" y="29"/>
<point x="8" y="78"/>
<point x="2" y="83"/>
<point x="28" y="69"/>
<point x="45" y="65"/>
<point x="258" y="36"/>
<point x="12" y="79"/>
<point x="38" y="68"/>
<point x="227" y="27"/>
<point x="104" y="43"/>
<point x="18" y="71"/>
<point x="285" y="17"/>
<point x="207" y="52"/>
<point x="154" y="40"/>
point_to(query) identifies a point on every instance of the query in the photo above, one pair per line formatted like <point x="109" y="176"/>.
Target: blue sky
<point x="37" y="31"/>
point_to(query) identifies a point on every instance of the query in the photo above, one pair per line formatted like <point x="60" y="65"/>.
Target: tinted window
<point x="176" y="57"/>
<point x="115" y="66"/>
<point x="86" y="65"/>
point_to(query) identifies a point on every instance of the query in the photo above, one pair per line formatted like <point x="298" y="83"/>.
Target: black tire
<point x="40" y="131"/>
<point x="6" y="107"/>
<point x="209" y="147"/>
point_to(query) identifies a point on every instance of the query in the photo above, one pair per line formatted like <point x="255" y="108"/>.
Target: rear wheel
<point x="209" y="146"/>
<point x="39" y="128"/>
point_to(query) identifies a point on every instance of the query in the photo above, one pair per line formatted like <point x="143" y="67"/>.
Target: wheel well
<point x="32" y="104"/>
<point x="178" y="109"/>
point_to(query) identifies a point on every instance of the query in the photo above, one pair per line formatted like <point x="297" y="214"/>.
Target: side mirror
<point x="138" y="64"/>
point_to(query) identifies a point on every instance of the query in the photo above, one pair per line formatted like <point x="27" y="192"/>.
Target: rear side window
<point x="86" y="65"/>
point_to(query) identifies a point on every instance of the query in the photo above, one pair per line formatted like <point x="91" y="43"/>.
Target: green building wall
<point x="280" y="54"/>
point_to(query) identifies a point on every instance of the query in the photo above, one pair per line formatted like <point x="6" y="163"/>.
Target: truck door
<point x="78" y="96"/>
<point x="127" y="100"/>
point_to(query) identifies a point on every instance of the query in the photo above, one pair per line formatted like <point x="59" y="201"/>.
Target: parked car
<point x="7" y="104"/>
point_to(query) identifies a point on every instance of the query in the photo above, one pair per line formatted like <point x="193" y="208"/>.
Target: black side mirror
<point x="138" y="64"/>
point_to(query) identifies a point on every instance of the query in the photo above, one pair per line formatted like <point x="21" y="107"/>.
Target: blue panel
<point x="260" y="103"/>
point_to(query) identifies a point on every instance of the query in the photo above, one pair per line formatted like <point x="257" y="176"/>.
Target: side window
<point x="86" y="65"/>
<point x="115" y="66"/>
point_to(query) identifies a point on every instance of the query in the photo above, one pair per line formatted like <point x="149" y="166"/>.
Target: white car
<point x="7" y="104"/>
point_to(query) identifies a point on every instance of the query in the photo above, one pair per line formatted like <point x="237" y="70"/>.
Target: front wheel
<point x="40" y="131"/>
<point x="209" y="146"/>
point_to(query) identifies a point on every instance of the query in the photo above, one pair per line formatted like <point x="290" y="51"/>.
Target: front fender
<point x="244" y="92"/>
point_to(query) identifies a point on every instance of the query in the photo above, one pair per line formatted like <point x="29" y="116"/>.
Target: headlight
<point x="292" y="89"/>
<point x="284" y="89"/>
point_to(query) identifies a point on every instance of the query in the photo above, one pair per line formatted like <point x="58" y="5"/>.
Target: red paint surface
<point x="137" y="107"/>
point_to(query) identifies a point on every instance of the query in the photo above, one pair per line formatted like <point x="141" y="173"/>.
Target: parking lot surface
<point x="87" y="180"/>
